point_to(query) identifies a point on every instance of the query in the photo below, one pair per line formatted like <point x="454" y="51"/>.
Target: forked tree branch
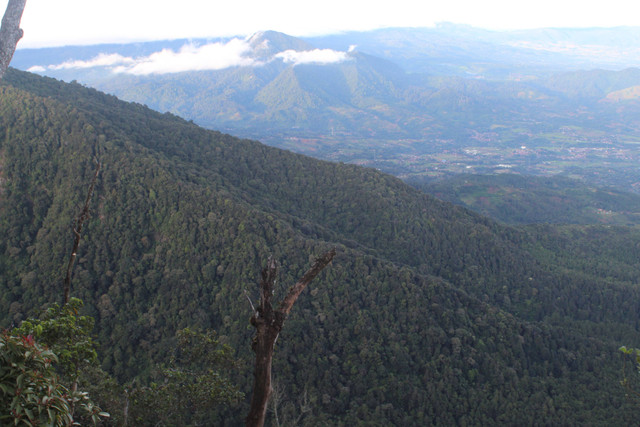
<point x="10" y="32"/>
<point x="268" y="323"/>
<point x="294" y="292"/>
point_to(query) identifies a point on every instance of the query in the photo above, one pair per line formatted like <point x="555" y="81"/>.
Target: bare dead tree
<point x="84" y="215"/>
<point x="10" y="32"/>
<point x="277" y="399"/>
<point x="268" y="323"/>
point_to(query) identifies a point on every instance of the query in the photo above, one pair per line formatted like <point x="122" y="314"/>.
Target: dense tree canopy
<point x="428" y="314"/>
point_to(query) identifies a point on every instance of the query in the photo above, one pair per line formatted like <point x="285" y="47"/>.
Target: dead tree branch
<point x="10" y="32"/>
<point x="84" y="215"/>
<point x="294" y="292"/>
<point x="268" y="323"/>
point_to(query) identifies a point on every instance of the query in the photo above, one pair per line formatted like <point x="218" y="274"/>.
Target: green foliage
<point x="520" y="199"/>
<point x="189" y="388"/>
<point x="430" y="314"/>
<point x="631" y="383"/>
<point x="66" y="333"/>
<point x="30" y="390"/>
<point x="634" y="352"/>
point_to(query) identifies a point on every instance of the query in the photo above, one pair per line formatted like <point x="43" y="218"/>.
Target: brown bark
<point x="268" y="323"/>
<point x="84" y="215"/>
<point x="10" y="32"/>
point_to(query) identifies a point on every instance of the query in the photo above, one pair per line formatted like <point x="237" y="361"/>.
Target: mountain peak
<point x="265" y="44"/>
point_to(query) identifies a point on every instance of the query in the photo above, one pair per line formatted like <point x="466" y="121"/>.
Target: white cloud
<point x="213" y="56"/>
<point x="316" y="56"/>
<point x="102" y="60"/>
<point x="36" y="69"/>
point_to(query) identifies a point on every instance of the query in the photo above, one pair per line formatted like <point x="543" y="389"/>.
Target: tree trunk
<point x="10" y="32"/>
<point x="84" y="215"/>
<point x="268" y="323"/>
<point x="263" y="347"/>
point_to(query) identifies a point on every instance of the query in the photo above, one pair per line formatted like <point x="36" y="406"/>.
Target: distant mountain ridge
<point x="411" y="102"/>
<point x="266" y="44"/>
<point x="418" y="49"/>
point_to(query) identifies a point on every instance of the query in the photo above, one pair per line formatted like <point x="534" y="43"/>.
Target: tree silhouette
<point x="268" y="323"/>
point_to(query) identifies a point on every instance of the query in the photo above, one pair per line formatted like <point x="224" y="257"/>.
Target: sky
<point x="77" y="22"/>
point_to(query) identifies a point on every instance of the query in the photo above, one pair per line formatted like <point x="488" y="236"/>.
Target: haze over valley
<point x="478" y="191"/>
<point x="418" y="103"/>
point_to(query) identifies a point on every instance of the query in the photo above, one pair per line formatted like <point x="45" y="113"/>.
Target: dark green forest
<point x="429" y="313"/>
<point x="525" y="199"/>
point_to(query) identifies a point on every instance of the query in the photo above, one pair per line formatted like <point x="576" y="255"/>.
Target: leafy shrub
<point x="29" y="389"/>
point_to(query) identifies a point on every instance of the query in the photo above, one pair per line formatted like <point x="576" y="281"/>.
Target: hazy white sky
<point x="59" y="22"/>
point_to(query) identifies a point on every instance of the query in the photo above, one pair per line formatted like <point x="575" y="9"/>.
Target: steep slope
<point x="429" y="313"/>
<point x="518" y="199"/>
<point x="410" y="102"/>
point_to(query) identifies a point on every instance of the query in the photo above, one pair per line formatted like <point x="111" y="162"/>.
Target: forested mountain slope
<point x="414" y="103"/>
<point x="518" y="199"/>
<point x="429" y="313"/>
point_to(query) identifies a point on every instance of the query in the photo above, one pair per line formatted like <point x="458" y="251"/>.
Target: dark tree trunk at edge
<point x="10" y="32"/>
<point x="268" y="323"/>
